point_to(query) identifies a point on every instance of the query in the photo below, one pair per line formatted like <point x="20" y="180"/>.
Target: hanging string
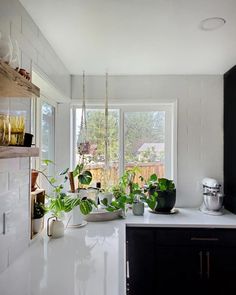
<point x="83" y="124"/>
<point x="106" y="126"/>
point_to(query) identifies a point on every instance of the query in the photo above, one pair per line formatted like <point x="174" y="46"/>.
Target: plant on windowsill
<point x="161" y="194"/>
<point x="127" y="193"/>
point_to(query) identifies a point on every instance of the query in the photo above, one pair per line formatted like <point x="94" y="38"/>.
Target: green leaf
<point x="92" y="202"/>
<point x="151" y="201"/>
<point x="104" y="201"/>
<point x="85" y="207"/>
<point x="85" y="177"/>
<point x="63" y="172"/>
<point x="47" y="162"/>
<point x="52" y="180"/>
<point x="153" y="177"/>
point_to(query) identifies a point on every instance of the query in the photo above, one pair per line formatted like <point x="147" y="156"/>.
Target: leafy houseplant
<point x="162" y="194"/>
<point x="126" y="192"/>
<point x="38" y="212"/>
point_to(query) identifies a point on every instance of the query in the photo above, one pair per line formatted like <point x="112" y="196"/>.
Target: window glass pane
<point x="144" y="142"/>
<point x="47" y="133"/>
<point x="95" y="154"/>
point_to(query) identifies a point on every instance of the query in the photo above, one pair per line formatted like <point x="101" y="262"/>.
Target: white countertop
<point x="90" y="260"/>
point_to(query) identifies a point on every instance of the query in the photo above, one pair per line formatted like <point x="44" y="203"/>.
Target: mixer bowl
<point x="213" y="202"/>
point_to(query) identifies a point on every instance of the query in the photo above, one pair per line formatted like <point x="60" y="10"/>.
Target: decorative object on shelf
<point x="38" y="211"/>
<point x="162" y="194"/>
<point x="24" y="73"/>
<point x="15" y="61"/>
<point x="6" y="48"/>
<point x="38" y="214"/>
<point x="17" y="122"/>
<point x="34" y="176"/>
<point x="5" y="129"/>
<point x="28" y="138"/>
<point x="13" y="84"/>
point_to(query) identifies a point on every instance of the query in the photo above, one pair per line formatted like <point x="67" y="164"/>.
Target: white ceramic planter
<point x="105" y="195"/>
<point x="37" y="224"/>
<point x="75" y="217"/>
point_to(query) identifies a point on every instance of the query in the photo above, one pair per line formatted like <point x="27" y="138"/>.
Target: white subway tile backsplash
<point x="14" y="173"/>
<point x="3" y="182"/>
<point x="24" y="163"/>
<point x="4" y="259"/>
<point x="18" y="178"/>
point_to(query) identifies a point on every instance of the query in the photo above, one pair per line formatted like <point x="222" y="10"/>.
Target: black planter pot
<point x="165" y="200"/>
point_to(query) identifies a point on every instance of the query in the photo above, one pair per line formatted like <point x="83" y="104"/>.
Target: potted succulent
<point x="162" y="194"/>
<point x="38" y="214"/>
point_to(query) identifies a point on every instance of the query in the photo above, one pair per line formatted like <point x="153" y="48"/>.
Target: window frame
<point x="169" y="107"/>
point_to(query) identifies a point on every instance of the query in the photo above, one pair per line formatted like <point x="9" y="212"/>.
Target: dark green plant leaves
<point x="85" y="177"/>
<point x="63" y="172"/>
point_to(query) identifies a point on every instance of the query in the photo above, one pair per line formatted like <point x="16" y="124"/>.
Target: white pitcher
<point x="55" y="229"/>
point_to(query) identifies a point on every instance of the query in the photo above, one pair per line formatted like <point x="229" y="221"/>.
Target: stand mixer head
<point x="212" y="197"/>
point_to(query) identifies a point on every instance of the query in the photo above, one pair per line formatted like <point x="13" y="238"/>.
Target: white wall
<point x="14" y="173"/>
<point x="200" y="120"/>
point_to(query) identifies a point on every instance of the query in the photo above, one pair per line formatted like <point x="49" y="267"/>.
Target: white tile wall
<point x="14" y="20"/>
<point x="14" y="173"/>
<point x="14" y="198"/>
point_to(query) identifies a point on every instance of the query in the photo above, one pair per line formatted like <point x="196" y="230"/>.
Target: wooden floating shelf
<point x="18" y="152"/>
<point x="13" y="84"/>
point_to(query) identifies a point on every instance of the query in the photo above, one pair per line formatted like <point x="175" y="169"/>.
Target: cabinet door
<point x="221" y="269"/>
<point x="154" y="268"/>
<point x="140" y="257"/>
<point x="179" y="269"/>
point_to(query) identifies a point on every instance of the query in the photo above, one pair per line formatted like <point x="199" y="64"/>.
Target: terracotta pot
<point x="34" y="175"/>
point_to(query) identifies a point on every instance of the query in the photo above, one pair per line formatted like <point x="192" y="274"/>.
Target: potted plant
<point x="162" y="194"/>
<point x="61" y="203"/>
<point x="38" y="214"/>
<point x="127" y="193"/>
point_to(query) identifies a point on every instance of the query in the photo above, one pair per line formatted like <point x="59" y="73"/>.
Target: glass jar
<point x="17" y="122"/>
<point x="5" y="129"/>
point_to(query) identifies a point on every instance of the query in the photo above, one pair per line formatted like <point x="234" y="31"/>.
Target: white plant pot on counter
<point x="75" y="217"/>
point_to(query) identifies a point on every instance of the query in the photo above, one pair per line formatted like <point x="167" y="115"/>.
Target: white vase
<point x="5" y="48"/>
<point x="15" y="61"/>
<point x="37" y="224"/>
<point x="55" y="228"/>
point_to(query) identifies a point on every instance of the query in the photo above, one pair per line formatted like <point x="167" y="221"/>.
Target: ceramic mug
<point x="55" y="229"/>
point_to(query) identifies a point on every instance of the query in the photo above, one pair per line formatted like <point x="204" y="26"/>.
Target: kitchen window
<point x="138" y="136"/>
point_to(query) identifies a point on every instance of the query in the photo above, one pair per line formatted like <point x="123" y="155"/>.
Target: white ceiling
<point x="138" y="36"/>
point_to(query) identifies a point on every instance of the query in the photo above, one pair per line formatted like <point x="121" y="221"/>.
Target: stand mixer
<point x="212" y="197"/>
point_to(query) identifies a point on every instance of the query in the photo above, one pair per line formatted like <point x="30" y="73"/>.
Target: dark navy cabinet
<point x="230" y="140"/>
<point x="180" y="260"/>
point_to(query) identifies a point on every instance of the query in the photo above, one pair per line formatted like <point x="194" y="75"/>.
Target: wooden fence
<point x="146" y="169"/>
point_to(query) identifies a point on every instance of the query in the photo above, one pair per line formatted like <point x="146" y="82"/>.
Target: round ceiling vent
<point x="212" y="23"/>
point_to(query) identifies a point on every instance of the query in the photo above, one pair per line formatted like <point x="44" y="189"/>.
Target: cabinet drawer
<point x="189" y="236"/>
<point x="196" y="236"/>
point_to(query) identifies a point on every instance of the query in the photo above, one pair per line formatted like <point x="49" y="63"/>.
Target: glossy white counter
<point x="90" y="260"/>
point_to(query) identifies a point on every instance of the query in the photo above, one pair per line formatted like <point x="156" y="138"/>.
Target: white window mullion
<point x="121" y="143"/>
